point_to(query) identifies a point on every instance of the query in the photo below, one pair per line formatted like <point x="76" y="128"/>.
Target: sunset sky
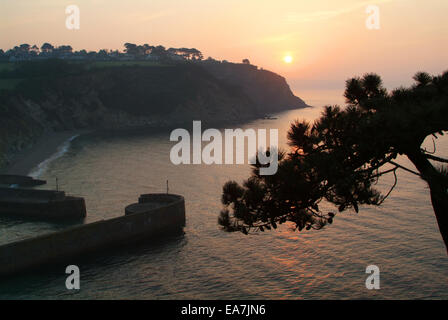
<point x="327" y="39"/>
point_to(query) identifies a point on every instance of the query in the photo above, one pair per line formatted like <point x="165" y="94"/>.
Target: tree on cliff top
<point x="342" y="155"/>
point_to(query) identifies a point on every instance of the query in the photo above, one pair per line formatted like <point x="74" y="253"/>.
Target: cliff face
<point x="268" y="90"/>
<point x="135" y="96"/>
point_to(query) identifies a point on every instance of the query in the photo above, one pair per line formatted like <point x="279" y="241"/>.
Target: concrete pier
<point x="143" y="220"/>
<point x="20" y="181"/>
<point x="41" y="204"/>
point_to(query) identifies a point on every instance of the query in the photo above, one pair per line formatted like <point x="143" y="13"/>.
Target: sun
<point x="287" y="59"/>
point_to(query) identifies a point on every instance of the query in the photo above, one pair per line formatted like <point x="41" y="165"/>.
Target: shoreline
<point x="46" y="148"/>
<point x="33" y="160"/>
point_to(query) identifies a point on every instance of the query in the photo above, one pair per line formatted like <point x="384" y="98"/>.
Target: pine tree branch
<point x="435" y="158"/>
<point x="392" y="188"/>
<point x="434" y="148"/>
<point x="405" y="169"/>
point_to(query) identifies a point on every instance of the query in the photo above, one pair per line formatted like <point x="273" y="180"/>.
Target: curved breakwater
<point x="167" y="213"/>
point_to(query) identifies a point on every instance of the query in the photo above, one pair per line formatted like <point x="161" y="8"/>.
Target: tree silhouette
<point x="342" y="155"/>
<point x="47" y="47"/>
<point x="131" y="48"/>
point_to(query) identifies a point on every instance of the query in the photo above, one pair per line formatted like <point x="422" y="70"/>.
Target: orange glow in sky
<point x="328" y="39"/>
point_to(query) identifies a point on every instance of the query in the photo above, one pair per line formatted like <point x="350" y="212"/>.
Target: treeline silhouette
<point x="131" y="52"/>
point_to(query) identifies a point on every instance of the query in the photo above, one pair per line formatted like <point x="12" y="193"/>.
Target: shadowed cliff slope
<point x="268" y="90"/>
<point x="56" y="95"/>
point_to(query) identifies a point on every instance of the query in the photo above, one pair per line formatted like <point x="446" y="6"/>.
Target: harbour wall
<point x="41" y="204"/>
<point x="167" y="213"/>
<point x="22" y="181"/>
<point x="42" y="195"/>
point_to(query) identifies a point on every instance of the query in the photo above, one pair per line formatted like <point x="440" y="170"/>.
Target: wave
<point x="42" y="167"/>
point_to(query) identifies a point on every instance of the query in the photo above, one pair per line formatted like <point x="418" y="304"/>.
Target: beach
<point x="47" y="146"/>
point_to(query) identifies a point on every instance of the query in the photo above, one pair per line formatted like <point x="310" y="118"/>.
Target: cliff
<point x="58" y="95"/>
<point x="268" y="90"/>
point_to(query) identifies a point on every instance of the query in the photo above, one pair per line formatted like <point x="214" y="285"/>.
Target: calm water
<point x="401" y="237"/>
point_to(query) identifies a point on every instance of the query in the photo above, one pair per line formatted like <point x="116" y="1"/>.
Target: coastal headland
<point x="45" y="109"/>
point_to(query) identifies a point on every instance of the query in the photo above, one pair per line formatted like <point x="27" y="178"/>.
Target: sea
<point x="110" y="171"/>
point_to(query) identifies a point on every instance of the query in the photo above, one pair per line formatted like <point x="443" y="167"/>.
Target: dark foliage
<point x="342" y="155"/>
